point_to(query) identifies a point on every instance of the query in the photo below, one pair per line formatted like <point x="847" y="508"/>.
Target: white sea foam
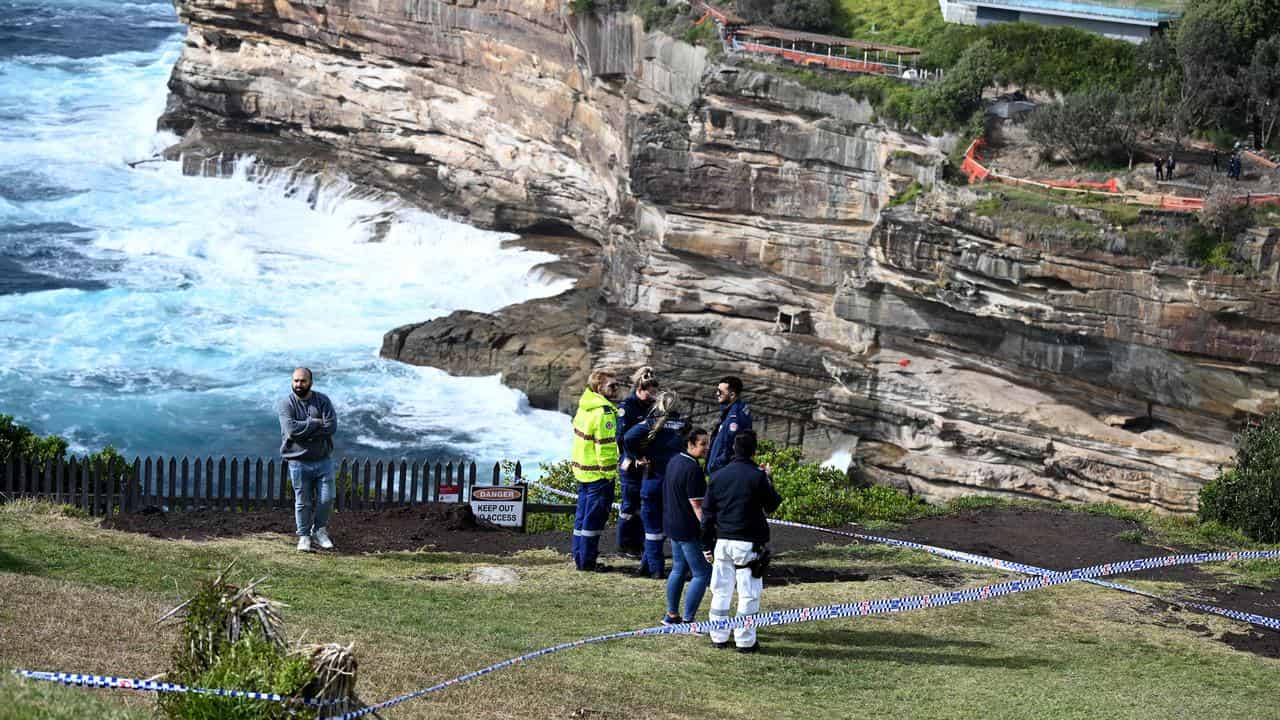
<point x="217" y="288"/>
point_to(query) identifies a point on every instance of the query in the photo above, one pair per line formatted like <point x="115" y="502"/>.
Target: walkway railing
<point x="834" y="62"/>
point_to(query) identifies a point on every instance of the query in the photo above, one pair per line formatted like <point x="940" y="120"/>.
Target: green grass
<point x="31" y="700"/>
<point x="81" y="598"/>
<point x="898" y="22"/>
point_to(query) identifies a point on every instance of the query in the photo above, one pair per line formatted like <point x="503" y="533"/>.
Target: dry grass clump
<point x="234" y="638"/>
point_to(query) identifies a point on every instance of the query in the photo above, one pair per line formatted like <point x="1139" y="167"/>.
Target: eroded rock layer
<point x="744" y="228"/>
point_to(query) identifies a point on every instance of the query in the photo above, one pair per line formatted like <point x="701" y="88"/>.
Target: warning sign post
<point x="501" y="505"/>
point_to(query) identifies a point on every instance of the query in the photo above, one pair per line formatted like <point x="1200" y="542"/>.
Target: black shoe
<point x="754" y="647"/>
<point x="722" y="645"/>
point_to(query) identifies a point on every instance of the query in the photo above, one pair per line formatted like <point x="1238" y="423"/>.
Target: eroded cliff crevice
<point x="744" y="227"/>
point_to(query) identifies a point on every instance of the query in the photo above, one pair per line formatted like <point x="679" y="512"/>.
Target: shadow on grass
<point x="9" y="563"/>
<point x="901" y="648"/>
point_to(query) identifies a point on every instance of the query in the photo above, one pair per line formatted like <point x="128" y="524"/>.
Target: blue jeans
<point x="686" y="559"/>
<point x="595" y="499"/>
<point x="313" y="489"/>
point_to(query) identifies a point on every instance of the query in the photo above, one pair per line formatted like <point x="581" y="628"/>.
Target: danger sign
<point x="500" y="505"/>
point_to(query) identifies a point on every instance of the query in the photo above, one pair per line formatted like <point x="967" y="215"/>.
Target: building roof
<point x="760" y="31"/>
<point x="1118" y="10"/>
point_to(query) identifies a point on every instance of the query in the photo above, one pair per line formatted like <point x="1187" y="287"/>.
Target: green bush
<point x="823" y="496"/>
<point x="233" y="638"/>
<point x="250" y="663"/>
<point x="1247" y="497"/>
<point x="558" y="475"/>
<point x="18" y="441"/>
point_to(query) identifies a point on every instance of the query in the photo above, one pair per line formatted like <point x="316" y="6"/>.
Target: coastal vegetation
<point x="1246" y="496"/>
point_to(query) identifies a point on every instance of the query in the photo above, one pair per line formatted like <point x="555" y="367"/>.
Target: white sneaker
<point x="321" y="537"/>
<point x="304" y="543"/>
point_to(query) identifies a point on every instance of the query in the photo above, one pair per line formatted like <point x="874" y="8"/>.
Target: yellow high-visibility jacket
<point x="595" y="439"/>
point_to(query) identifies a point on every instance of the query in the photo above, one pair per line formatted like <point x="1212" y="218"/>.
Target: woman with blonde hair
<point x="660" y="437"/>
<point x="631" y="412"/>
<point x="595" y="464"/>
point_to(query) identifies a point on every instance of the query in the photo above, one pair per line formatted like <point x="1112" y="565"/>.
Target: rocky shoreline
<point x="736" y="222"/>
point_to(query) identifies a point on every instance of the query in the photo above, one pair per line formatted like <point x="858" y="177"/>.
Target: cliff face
<point x="743" y="230"/>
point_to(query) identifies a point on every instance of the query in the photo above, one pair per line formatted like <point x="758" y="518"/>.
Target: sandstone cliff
<point x="743" y="229"/>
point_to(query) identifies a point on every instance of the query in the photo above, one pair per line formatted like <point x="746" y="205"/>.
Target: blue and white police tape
<point x="996" y="563"/>
<point x="862" y="608"/>
<point x="778" y="617"/>
<point x="1262" y="620"/>
<point x="120" y="683"/>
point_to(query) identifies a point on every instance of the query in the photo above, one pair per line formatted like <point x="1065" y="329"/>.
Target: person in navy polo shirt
<point x="685" y="486"/>
<point x="735" y="417"/>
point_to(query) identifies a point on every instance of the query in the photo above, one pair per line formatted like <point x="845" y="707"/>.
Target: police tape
<point x="1040" y="579"/>
<point x="121" y="683"/>
<point x="996" y="563"/>
<point x="862" y="608"/>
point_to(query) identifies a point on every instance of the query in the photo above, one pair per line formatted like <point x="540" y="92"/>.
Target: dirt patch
<point x="430" y="526"/>
<point x="1065" y="540"/>
<point x="1056" y="540"/>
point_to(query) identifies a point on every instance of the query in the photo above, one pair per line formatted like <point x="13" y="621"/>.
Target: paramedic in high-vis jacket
<point x="595" y="464"/>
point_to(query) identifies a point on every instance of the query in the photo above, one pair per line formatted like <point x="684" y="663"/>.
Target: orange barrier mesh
<point x="977" y="172"/>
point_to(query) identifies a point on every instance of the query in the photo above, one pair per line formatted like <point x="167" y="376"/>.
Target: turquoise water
<point x="163" y="314"/>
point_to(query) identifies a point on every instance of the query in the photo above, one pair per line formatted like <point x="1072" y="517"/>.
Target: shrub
<point x="823" y="496"/>
<point x="1222" y="216"/>
<point x="18" y="441"/>
<point x="251" y="663"/>
<point x="558" y="475"/>
<point x="706" y="36"/>
<point x="582" y="7"/>
<point x="1247" y="497"/>
<point x="233" y="638"/>
<point x="811" y="15"/>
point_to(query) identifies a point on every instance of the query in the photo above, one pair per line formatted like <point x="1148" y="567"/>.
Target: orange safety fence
<point x="1111" y="186"/>
<point x="977" y="172"/>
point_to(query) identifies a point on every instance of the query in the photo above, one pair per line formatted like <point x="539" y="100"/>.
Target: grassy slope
<point x="82" y="599"/>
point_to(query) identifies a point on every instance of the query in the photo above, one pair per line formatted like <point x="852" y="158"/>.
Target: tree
<point x="1222" y="216"/>
<point x="1135" y="115"/>
<point x="1262" y="82"/>
<point x="1089" y="125"/>
<point x="949" y="102"/>
<point x="1247" y="497"/>
<point x="809" y="15"/>
<point x="18" y="441"/>
<point x="1211" y="92"/>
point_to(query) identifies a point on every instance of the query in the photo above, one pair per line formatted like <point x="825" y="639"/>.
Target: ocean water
<point x="163" y="314"/>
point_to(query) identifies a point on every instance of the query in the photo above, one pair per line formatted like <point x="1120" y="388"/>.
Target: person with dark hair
<point x="735" y="417"/>
<point x="1159" y="168"/>
<point x="595" y="464"/>
<point x="1169" y="164"/>
<point x="735" y="538"/>
<point x="682" y="494"/>
<point x="1216" y="157"/>
<point x="657" y="440"/>
<point x="631" y="412"/>
<point x="307" y="424"/>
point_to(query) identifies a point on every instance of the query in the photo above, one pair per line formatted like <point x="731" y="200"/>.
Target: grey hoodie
<point x="306" y="426"/>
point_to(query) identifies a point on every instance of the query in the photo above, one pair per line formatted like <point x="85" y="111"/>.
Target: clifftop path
<point x="743" y="229"/>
